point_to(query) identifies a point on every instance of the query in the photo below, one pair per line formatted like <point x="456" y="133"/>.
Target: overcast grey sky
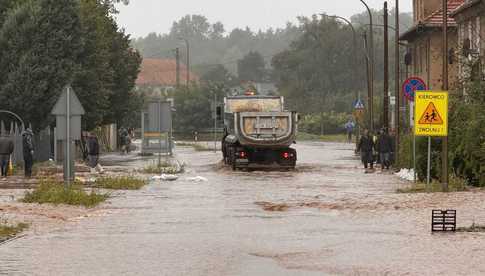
<point x="141" y="17"/>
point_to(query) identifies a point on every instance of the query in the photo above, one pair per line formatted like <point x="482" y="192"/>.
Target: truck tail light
<point x="242" y="154"/>
<point x="286" y="155"/>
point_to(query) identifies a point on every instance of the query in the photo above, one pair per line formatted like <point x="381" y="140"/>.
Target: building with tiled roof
<point x="470" y="18"/>
<point x="162" y="73"/>
<point x="425" y="42"/>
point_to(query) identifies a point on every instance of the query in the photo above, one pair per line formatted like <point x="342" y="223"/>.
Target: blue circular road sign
<point x="412" y="85"/>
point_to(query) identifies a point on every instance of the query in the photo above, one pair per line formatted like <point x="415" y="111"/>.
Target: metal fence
<point x="43" y="142"/>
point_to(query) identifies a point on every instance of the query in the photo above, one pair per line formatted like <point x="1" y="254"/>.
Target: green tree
<point x="193" y="106"/>
<point x="219" y="74"/>
<point x="47" y="44"/>
<point x="191" y="27"/>
<point x="40" y="44"/>
<point x="252" y="67"/>
<point x="108" y="69"/>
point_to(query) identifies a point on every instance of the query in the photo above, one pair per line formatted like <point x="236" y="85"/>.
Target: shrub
<point x="333" y="123"/>
<point x="455" y="184"/>
<point x="54" y="192"/>
<point x="164" y="168"/>
<point x="120" y="183"/>
<point x="467" y="135"/>
<point x="8" y="231"/>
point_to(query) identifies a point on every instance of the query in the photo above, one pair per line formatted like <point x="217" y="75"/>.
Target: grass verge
<point x="120" y="183"/>
<point x="195" y="146"/>
<point x="337" y="138"/>
<point x="9" y="231"/>
<point x="53" y="192"/>
<point x="473" y="228"/>
<point x="455" y="184"/>
<point x="164" y="168"/>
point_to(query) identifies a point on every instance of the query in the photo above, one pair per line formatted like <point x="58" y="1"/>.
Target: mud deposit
<point x="325" y="218"/>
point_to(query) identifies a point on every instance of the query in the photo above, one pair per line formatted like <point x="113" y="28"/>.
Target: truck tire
<point x="232" y="158"/>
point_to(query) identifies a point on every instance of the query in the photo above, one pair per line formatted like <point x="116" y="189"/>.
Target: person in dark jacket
<point x="6" y="150"/>
<point x="366" y="148"/>
<point x="28" y="150"/>
<point x="384" y="145"/>
<point x="93" y="152"/>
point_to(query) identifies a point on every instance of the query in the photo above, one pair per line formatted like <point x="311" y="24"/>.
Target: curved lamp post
<point x="371" y="57"/>
<point x="13" y="114"/>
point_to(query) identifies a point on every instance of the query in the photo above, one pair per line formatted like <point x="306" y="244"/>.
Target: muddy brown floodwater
<point x="326" y="218"/>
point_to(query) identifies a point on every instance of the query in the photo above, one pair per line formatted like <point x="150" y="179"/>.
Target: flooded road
<point x="327" y="218"/>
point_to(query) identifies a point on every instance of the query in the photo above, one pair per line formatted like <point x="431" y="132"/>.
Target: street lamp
<point x="371" y="57"/>
<point x="354" y="33"/>
<point x="187" y="46"/>
<point x="23" y="126"/>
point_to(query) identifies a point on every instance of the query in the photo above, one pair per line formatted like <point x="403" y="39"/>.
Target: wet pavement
<point x="326" y="218"/>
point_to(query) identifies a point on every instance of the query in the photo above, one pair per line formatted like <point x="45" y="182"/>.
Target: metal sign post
<point x="68" y="111"/>
<point x="431" y="119"/>
<point x="68" y="137"/>
<point x="410" y="87"/>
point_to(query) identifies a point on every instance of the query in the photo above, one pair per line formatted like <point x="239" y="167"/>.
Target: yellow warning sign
<point x="431" y="113"/>
<point x="431" y="116"/>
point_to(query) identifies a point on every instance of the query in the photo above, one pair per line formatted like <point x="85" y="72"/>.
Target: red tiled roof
<point x="467" y="5"/>
<point x="435" y="20"/>
<point x="162" y="72"/>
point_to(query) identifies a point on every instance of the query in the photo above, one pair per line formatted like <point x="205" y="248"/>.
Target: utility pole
<point x="385" y="117"/>
<point x="187" y="46"/>
<point x="367" y="63"/>
<point x="215" y="121"/>
<point x="398" y="87"/>
<point x="188" y="63"/>
<point x="371" y="70"/>
<point x="444" y="158"/>
<point x="177" y="59"/>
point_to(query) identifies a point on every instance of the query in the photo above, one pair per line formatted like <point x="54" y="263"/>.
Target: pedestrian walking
<point x="28" y="151"/>
<point x="6" y="150"/>
<point x="93" y="154"/>
<point x="384" y="146"/>
<point x="366" y="148"/>
<point x="125" y="141"/>
<point x="349" y="128"/>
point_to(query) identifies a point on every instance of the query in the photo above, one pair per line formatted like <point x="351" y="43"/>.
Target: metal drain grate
<point x="443" y="221"/>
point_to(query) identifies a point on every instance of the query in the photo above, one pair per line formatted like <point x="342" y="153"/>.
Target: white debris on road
<point x="165" y="177"/>
<point x="198" y="179"/>
<point x="406" y="174"/>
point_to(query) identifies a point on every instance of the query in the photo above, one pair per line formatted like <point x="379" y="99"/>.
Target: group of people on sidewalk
<point x="382" y="144"/>
<point x="7" y="148"/>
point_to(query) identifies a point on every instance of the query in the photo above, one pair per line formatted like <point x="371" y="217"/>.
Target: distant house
<point x="425" y="41"/>
<point x="159" y="75"/>
<point x="470" y="17"/>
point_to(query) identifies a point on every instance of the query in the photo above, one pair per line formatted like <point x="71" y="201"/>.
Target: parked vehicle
<point x="258" y="132"/>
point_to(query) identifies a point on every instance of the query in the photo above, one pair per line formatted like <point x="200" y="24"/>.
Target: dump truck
<point x="258" y="133"/>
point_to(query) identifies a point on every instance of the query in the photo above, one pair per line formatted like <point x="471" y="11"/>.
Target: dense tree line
<point x="316" y="64"/>
<point x="48" y="44"/>
<point x="324" y="69"/>
<point x="211" y="44"/>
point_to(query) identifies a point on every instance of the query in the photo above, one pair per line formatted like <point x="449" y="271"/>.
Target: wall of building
<point x="427" y="59"/>
<point x="471" y="25"/>
<point x="424" y="8"/>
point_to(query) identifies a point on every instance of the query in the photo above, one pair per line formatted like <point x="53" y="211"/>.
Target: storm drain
<point x="443" y="221"/>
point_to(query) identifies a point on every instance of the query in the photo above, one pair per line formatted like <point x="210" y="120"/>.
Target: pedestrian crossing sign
<point x="431" y="113"/>
<point x="359" y="105"/>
